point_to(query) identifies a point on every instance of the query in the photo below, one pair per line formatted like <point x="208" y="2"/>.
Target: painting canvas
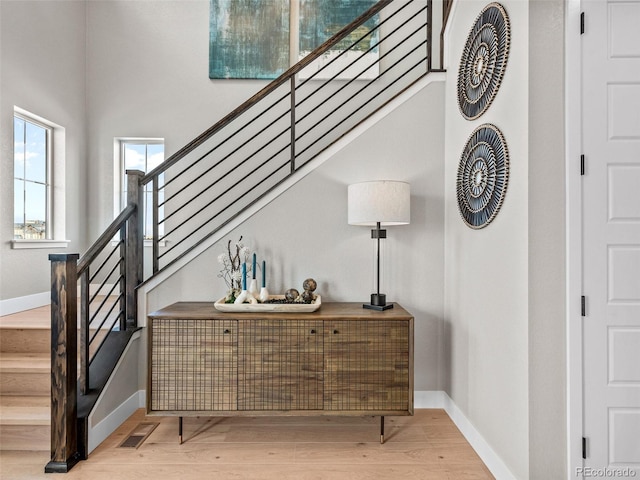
<point x="248" y="38"/>
<point x="320" y="20"/>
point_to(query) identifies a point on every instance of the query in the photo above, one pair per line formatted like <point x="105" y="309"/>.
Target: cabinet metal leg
<point x="382" y="429"/>
<point x="180" y="429"/>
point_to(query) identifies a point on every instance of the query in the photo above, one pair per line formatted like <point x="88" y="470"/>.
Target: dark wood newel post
<point x="134" y="247"/>
<point x="64" y="358"/>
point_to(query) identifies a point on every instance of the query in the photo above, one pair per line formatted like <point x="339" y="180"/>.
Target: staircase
<point x="266" y="144"/>
<point x="25" y="381"/>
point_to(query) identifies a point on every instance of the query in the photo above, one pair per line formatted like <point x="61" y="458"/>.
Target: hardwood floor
<point x="426" y="446"/>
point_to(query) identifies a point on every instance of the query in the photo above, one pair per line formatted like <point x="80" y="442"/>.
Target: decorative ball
<point x="309" y="285"/>
<point x="308" y="297"/>
<point x="291" y="294"/>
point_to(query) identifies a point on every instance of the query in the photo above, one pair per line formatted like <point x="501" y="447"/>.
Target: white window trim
<point x="23" y="244"/>
<point x="57" y="189"/>
<point x="118" y="173"/>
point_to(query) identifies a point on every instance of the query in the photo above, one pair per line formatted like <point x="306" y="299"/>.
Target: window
<point x="32" y="179"/>
<point x="141" y="154"/>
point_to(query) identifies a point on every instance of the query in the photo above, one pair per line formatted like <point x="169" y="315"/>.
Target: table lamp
<point x="378" y="203"/>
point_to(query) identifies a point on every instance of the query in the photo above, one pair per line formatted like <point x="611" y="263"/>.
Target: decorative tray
<point x="269" y="307"/>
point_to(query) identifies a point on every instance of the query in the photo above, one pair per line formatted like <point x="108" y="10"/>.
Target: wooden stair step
<point x="25" y="362"/>
<point x="25" y="410"/>
<point x="25" y="374"/>
<point x="25" y="423"/>
<point x="25" y="340"/>
<point x="25" y="437"/>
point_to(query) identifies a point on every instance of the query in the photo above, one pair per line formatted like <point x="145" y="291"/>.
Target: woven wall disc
<point x="483" y="174"/>
<point x="483" y="62"/>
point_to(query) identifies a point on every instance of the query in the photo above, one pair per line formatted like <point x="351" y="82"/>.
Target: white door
<point x="611" y="237"/>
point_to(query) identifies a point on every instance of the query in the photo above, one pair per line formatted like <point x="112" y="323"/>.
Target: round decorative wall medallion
<point x="483" y="62"/>
<point x="483" y="174"/>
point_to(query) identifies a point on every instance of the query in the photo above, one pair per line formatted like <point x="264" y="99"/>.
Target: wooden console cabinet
<point x="339" y="360"/>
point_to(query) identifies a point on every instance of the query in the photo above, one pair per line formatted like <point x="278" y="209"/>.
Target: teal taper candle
<point x="244" y="276"/>
<point x="253" y="267"/>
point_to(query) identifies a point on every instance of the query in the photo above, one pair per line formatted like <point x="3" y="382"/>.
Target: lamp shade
<point x="384" y="201"/>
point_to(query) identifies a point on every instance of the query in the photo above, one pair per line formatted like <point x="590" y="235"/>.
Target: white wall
<point x="504" y="284"/>
<point x="486" y="270"/>
<point x="547" y="304"/>
<point x="43" y="71"/>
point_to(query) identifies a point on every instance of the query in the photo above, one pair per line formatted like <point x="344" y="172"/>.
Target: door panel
<point x="611" y="234"/>
<point x="280" y="365"/>
<point x="367" y="365"/>
<point x="193" y="365"/>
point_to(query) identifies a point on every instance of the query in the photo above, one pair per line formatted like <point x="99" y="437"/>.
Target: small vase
<point x="253" y="289"/>
<point x="242" y="297"/>
<point x="264" y="294"/>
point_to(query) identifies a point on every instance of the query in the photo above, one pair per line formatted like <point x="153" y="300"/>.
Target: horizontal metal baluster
<point x="326" y="117"/>
<point x="202" y="157"/>
<point x="105" y="317"/>
<point x="226" y="222"/>
<point x="216" y="199"/>
<point x="106" y="261"/>
<point x="363" y="71"/>
<point x="95" y="314"/>
<point x="99" y="347"/>
<point x="382" y="38"/>
<point x="219" y="162"/>
<point x="354" y="112"/>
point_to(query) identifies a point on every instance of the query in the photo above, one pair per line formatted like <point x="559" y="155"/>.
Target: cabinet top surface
<point x="329" y="310"/>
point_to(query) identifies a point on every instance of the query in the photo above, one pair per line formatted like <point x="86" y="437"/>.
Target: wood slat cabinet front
<point x="340" y="360"/>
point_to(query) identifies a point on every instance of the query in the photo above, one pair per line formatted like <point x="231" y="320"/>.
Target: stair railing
<point x="220" y="174"/>
<point x="243" y="157"/>
<point x="113" y="264"/>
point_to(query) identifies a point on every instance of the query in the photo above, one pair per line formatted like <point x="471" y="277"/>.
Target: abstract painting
<point x="248" y="38"/>
<point x="320" y="20"/>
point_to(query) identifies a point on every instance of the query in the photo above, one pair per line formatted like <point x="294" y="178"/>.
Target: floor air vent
<point x="138" y="435"/>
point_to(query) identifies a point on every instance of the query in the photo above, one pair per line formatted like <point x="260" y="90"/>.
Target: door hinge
<point x="582" y="166"/>
<point x="581" y="23"/>
<point x="583" y="306"/>
<point x="584" y="448"/>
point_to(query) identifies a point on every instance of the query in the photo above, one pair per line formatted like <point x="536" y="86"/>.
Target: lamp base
<point x="378" y="302"/>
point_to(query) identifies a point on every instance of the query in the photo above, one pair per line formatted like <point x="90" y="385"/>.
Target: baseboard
<point x="20" y="304"/>
<point x="107" y="426"/>
<point x="97" y="433"/>
<point x="440" y="399"/>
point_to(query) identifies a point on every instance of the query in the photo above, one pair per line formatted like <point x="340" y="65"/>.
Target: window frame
<point x="54" y="184"/>
<point x="120" y="198"/>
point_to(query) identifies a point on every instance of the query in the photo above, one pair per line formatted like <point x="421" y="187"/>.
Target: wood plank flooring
<point x="426" y="446"/>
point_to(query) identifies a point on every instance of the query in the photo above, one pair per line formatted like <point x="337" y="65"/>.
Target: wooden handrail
<point x="315" y="54"/>
<point x="104" y="239"/>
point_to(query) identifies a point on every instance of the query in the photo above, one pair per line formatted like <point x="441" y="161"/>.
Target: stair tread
<point x="25" y="410"/>
<point x="24" y="401"/>
<point x="29" y="319"/>
<point x="25" y="415"/>
<point x="25" y="362"/>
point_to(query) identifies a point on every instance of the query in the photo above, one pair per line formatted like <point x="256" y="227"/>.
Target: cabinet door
<point x="367" y="365"/>
<point x="194" y="365"/>
<point x="280" y="365"/>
